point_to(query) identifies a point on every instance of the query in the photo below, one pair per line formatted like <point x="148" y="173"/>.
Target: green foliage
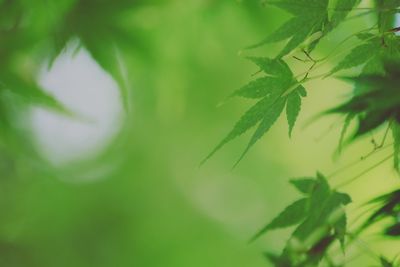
<point x="292" y="215"/>
<point x="37" y="31"/>
<point x="375" y="101"/>
<point x="299" y="28"/>
<point x="319" y="220"/>
<point x="277" y="89"/>
<point x="385" y="262"/>
<point x="305" y="31"/>
<point x="341" y="10"/>
<point x="282" y="87"/>
<point x="318" y="217"/>
<point x="359" y="55"/>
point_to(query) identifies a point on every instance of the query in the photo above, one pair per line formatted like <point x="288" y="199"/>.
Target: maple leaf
<point x="320" y="220"/>
<point x="270" y="90"/>
<point x="376" y="99"/>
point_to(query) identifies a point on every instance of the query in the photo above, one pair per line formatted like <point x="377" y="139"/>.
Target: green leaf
<point x="386" y="11"/>
<point x="298" y="7"/>
<point x="277" y="261"/>
<point x="106" y="55"/>
<point x="304" y="185"/>
<point x="271" y="89"/>
<point x="374" y="66"/>
<point x="371" y="120"/>
<point x="30" y="92"/>
<point x="340" y="230"/>
<point x="320" y="220"/>
<point x="385" y="262"/>
<point x="393" y="230"/>
<point x="341" y="10"/>
<point x="345" y="199"/>
<point x="389" y="206"/>
<point x="271" y="115"/>
<point x="279" y="76"/>
<point x="260" y="87"/>
<point x="293" y="107"/>
<point x="357" y="56"/>
<point x="346" y="125"/>
<point x="299" y="28"/>
<point x="291" y="215"/>
<point x="375" y="101"/>
<point x="324" y="215"/>
<point x="254" y="115"/>
<point x="365" y="36"/>
<point x="274" y="67"/>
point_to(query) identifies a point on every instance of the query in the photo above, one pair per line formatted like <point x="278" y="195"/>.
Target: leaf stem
<point x="365" y="171"/>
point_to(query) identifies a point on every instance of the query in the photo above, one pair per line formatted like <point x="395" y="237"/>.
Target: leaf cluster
<point x="319" y="218"/>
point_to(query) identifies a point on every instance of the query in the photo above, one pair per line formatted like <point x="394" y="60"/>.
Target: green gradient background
<point x="159" y="208"/>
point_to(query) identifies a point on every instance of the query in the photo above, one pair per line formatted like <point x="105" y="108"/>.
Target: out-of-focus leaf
<point x="346" y="125"/>
<point x="389" y="206"/>
<point x="341" y="10"/>
<point x="375" y="101"/>
<point x="304" y="185"/>
<point x="393" y="230"/>
<point x="386" y="11"/>
<point x="385" y="262"/>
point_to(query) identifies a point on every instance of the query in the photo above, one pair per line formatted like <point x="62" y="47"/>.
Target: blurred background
<point x="108" y="107"/>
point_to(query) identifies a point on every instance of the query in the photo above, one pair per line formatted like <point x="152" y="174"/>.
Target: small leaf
<point x="324" y="222"/>
<point x="304" y="185"/>
<point x="274" y="67"/>
<point x="297" y="29"/>
<point x="31" y="93"/>
<point x="278" y="88"/>
<point x="389" y="208"/>
<point x="341" y="10"/>
<point x="340" y="230"/>
<point x="374" y="66"/>
<point x="254" y="115"/>
<point x="385" y="262"/>
<point x="364" y="36"/>
<point x="371" y="121"/>
<point x="260" y="87"/>
<point x="291" y="215"/>
<point x="346" y="125"/>
<point x="385" y="13"/>
<point x="357" y="56"/>
<point x="345" y="199"/>
<point x="393" y="230"/>
<point x="277" y="261"/>
<point x="293" y="107"/>
<point x="271" y="115"/>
